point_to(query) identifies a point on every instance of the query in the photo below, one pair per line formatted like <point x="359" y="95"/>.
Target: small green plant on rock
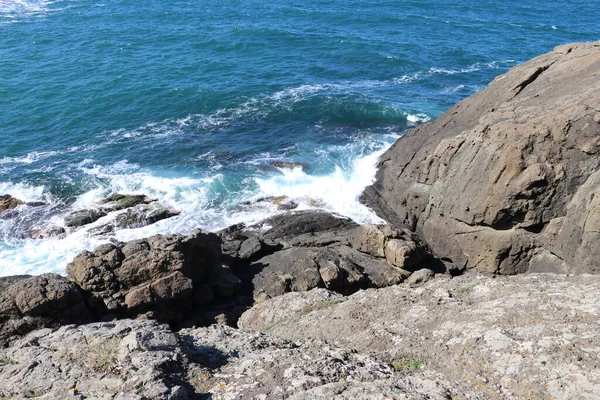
<point x="32" y="395"/>
<point x="320" y="306"/>
<point x="103" y="356"/>
<point x="409" y="364"/>
<point x="7" y="361"/>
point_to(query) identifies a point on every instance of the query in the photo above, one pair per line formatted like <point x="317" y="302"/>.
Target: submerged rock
<point x="288" y="164"/>
<point x="506" y="181"/>
<point x="84" y="217"/>
<point x="118" y="201"/>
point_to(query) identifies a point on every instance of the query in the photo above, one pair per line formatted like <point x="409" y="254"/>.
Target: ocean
<point x="198" y="103"/>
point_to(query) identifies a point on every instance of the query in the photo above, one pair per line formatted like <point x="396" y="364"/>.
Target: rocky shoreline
<point x="310" y="305"/>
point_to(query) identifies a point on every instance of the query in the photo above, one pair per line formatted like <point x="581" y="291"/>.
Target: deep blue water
<point x="190" y="102"/>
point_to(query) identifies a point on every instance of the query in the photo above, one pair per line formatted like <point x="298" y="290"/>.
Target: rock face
<point x="157" y="274"/>
<point x="506" y="181"/>
<point x="30" y="302"/>
<point x="525" y="336"/>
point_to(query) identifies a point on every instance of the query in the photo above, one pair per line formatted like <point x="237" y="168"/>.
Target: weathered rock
<point x="7" y="202"/>
<point x="141" y="359"/>
<point x="303" y="250"/>
<point x="84" y="217"/>
<point x="229" y="364"/>
<point x="123" y="359"/>
<point x="420" y="276"/>
<point x="48" y="232"/>
<point x="134" y="276"/>
<point x="510" y="172"/>
<point x="30" y="302"/>
<point x="525" y="336"/>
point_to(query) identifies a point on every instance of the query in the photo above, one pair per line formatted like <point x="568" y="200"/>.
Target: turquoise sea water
<point x="191" y="102"/>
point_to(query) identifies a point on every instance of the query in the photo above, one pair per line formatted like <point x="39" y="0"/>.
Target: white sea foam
<point x="337" y="192"/>
<point x="23" y="191"/>
<point x="29" y="158"/>
<point x="193" y="197"/>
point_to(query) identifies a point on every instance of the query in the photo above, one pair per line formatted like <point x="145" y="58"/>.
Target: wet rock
<point x="7" y="202"/>
<point x="288" y="205"/>
<point x="49" y="232"/>
<point x="507" y="174"/>
<point x="288" y="164"/>
<point x="140" y="216"/>
<point x="84" y="217"/>
<point x="118" y="201"/>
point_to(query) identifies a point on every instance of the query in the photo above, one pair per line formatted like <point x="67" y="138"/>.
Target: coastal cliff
<point x="505" y="182"/>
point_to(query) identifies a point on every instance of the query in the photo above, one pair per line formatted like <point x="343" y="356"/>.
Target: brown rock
<point x="507" y="173"/>
<point x="171" y="287"/>
<point x="8" y="202"/>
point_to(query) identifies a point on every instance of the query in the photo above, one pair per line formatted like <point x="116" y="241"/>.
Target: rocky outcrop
<point x="159" y="274"/>
<point x="31" y="302"/>
<point x="204" y="278"/>
<point x="305" y="250"/>
<point x="7" y="202"/>
<point x="506" y="181"/>
<point x="526" y="336"/>
<point x="140" y="210"/>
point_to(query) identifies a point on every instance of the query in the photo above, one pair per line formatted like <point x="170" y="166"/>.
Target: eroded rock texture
<point x="507" y="180"/>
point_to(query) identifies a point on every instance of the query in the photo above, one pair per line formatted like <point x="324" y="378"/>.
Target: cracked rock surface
<point x="519" y="337"/>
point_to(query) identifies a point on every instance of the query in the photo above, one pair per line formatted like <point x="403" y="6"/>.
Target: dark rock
<point x="288" y="205"/>
<point x="140" y="216"/>
<point x="30" y="302"/>
<point x="117" y="201"/>
<point x="288" y="164"/>
<point x="83" y="217"/>
<point x="157" y="272"/>
<point x="508" y="173"/>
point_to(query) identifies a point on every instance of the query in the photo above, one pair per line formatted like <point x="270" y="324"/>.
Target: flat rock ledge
<point x="531" y="336"/>
<point x="470" y="337"/>
<point x="142" y="359"/>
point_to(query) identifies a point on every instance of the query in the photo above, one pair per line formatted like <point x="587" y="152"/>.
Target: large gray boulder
<point x="506" y="181"/>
